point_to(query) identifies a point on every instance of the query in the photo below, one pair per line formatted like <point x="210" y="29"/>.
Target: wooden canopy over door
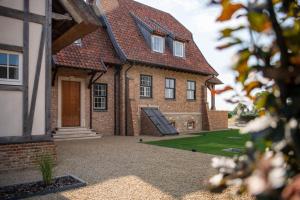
<point x="70" y="104"/>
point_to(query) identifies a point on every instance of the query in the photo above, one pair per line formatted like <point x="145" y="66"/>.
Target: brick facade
<point x="20" y="156"/>
<point x="218" y="120"/>
<point x="180" y="110"/>
<point x="103" y="122"/>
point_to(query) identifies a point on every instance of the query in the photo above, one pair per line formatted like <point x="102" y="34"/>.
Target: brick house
<point x="128" y="77"/>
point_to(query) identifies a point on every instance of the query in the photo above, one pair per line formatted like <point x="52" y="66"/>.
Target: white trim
<point x="163" y="44"/>
<point x="174" y="49"/>
<point x="20" y="70"/>
<point x="82" y="99"/>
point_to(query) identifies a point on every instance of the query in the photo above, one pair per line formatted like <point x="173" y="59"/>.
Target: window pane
<point x="3" y="72"/>
<point x="13" y="60"/>
<point x="13" y="73"/>
<point x="178" y="48"/>
<point x="157" y="44"/>
<point x="3" y="59"/>
<point x="172" y="83"/>
<point x="169" y="93"/>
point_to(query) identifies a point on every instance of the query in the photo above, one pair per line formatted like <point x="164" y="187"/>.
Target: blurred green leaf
<point x="259" y="21"/>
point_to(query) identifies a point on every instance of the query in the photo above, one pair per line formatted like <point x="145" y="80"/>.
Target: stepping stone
<point x="235" y="138"/>
<point x="233" y="150"/>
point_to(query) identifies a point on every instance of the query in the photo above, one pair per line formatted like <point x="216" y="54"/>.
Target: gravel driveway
<point x="123" y="168"/>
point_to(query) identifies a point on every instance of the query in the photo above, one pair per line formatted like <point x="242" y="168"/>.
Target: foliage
<point x="211" y="142"/>
<point x="46" y="168"/>
<point x="268" y="60"/>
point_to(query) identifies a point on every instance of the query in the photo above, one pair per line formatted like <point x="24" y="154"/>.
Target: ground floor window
<point x="100" y="97"/>
<point x="190" y="125"/>
<point x="146" y="86"/>
<point x="173" y="123"/>
<point x="10" y="68"/>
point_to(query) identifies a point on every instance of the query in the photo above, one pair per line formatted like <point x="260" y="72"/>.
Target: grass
<point x="209" y="142"/>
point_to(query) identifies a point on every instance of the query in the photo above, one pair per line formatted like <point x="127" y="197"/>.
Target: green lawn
<point x="209" y="142"/>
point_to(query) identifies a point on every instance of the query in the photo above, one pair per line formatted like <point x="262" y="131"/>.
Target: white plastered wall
<point x="11" y="102"/>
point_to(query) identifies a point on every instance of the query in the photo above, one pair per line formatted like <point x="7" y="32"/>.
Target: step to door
<point x="75" y="134"/>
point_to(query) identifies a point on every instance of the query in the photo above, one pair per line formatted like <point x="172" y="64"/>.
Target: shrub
<point x="46" y="168"/>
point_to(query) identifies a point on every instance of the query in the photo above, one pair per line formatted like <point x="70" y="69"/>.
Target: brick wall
<point x="103" y="122"/>
<point x="20" y="156"/>
<point x="179" y="109"/>
<point x="218" y="120"/>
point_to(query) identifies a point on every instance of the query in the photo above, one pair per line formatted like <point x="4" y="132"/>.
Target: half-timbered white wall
<point x="11" y="102"/>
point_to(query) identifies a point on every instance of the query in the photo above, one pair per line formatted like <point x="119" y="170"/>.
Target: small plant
<point x="46" y="168"/>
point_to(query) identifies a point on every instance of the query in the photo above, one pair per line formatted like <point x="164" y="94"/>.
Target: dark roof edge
<point x="168" y="67"/>
<point x="101" y="14"/>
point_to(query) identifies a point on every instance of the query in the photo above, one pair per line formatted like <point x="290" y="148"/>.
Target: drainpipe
<point x="117" y="100"/>
<point x="126" y="98"/>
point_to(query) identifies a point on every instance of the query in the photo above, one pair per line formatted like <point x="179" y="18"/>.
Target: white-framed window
<point x="100" y="97"/>
<point x="191" y="90"/>
<point x="157" y="43"/>
<point x="10" y="68"/>
<point x="146" y="86"/>
<point x="191" y="125"/>
<point x="78" y="42"/>
<point x="178" y="49"/>
<point x="170" y="88"/>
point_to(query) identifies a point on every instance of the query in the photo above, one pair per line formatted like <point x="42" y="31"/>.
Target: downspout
<point x="117" y="100"/>
<point x="126" y="99"/>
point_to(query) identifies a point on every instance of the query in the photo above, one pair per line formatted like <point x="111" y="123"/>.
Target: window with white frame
<point x="100" y="97"/>
<point x="191" y="90"/>
<point x="10" y="68"/>
<point x="170" y="88"/>
<point x="157" y="43"/>
<point x="146" y="86"/>
<point x="178" y="49"/>
<point x="191" y="125"/>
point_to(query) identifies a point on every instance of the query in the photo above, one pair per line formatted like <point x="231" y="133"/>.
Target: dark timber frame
<point x="25" y="67"/>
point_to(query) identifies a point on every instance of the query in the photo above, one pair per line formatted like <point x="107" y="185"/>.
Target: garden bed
<point x="25" y="190"/>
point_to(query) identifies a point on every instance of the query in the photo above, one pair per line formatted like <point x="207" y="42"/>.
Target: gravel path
<point x="122" y="168"/>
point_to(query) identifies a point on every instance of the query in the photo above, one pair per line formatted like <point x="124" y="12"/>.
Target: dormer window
<point x="78" y="42"/>
<point x="157" y="43"/>
<point x="178" y="49"/>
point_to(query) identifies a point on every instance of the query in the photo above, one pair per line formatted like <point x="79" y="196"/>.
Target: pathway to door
<point x="123" y="168"/>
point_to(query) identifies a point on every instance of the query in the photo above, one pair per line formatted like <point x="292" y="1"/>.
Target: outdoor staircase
<point x="62" y="134"/>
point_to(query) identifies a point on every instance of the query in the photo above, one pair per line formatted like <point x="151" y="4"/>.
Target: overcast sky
<point x="200" y="20"/>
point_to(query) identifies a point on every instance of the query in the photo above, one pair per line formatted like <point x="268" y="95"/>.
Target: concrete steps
<point x="75" y="133"/>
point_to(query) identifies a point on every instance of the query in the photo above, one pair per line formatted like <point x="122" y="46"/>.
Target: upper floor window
<point x="157" y="43"/>
<point x="191" y="90"/>
<point x="78" y="42"/>
<point x="170" y="88"/>
<point x="10" y="68"/>
<point x="146" y="86"/>
<point x="178" y="49"/>
<point x="100" y="97"/>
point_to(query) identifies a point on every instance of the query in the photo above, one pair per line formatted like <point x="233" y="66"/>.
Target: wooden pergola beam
<point x="76" y="32"/>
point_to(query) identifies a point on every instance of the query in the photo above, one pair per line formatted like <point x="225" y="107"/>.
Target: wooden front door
<point x="70" y="103"/>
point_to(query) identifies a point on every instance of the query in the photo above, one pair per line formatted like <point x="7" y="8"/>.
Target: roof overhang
<point x="71" y="20"/>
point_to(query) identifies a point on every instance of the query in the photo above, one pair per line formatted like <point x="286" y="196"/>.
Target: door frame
<point x="82" y="99"/>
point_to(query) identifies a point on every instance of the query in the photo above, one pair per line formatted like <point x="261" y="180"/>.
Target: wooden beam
<point x="76" y="32"/>
<point x="18" y="14"/>
<point x="25" y="66"/>
<point x="11" y="87"/>
<point x="36" y="79"/>
<point x="48" y="67"/>
<point x="57" y="16"/>
<point x="9" y="47"/>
